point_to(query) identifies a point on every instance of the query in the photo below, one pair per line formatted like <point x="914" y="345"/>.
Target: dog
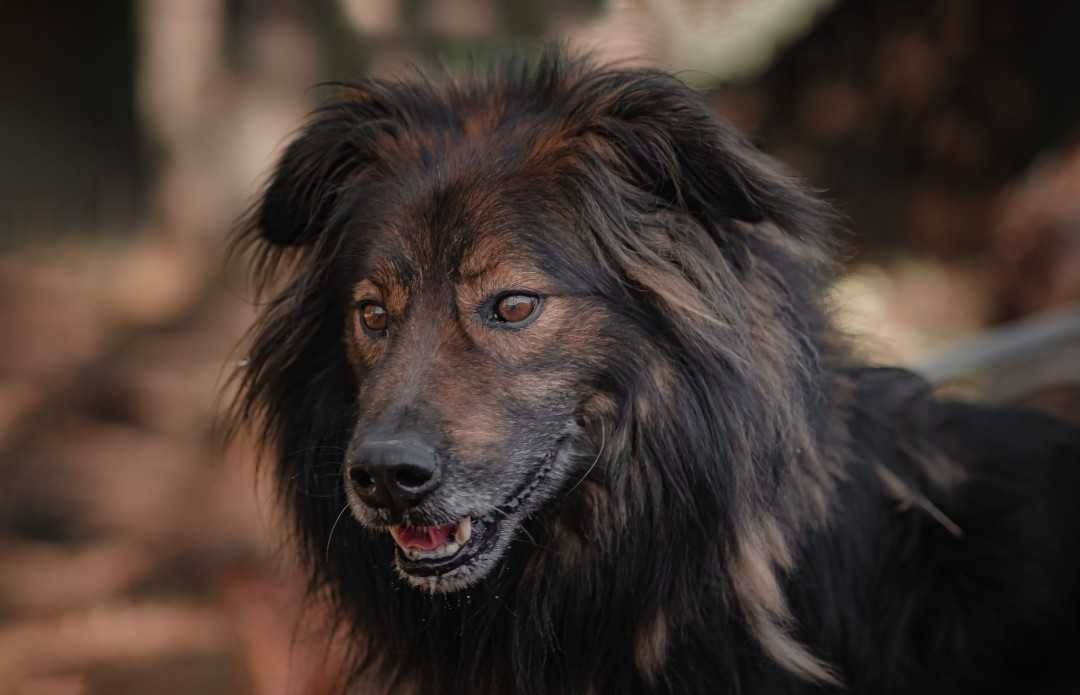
<point x="556" y="404"/>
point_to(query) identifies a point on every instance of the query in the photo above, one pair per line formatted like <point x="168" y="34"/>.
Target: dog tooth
<point x="463" y="531"/>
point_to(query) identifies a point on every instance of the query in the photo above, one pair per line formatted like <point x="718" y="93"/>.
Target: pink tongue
<point x="421" y="537"/>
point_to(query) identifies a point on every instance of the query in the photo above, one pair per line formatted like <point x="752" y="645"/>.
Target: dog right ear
<point x="334" y="151"/>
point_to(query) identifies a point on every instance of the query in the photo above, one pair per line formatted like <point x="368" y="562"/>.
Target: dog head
<point x="496" y="286"/>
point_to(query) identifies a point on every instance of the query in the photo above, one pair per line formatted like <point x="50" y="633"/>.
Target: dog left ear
<point x="336" y="149"/>
<point x="669" y="142"/>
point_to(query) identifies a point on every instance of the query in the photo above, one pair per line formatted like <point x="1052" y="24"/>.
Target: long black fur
<point x="768" y="517"/>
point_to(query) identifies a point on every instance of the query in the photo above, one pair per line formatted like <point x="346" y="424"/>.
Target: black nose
<point x="394" y="473"/>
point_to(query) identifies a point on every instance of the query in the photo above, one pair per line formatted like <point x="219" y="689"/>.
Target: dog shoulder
<point x="980" y="518"/>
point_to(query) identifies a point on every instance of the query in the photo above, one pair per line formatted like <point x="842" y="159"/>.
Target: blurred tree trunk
<point x="72" y="154"/>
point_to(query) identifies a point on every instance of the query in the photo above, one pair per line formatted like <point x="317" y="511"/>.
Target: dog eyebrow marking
<point x="483" y="257"/>
<point x="481" y="275"/>
<point x="365" y="289"/>
<point x="385" y="284"/>
<point x="499" y="261"/>
<point x="476" y="273"/>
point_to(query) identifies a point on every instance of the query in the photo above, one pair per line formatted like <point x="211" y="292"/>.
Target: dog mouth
<point x="452" y="556"/>
<point x="424" y="551"/>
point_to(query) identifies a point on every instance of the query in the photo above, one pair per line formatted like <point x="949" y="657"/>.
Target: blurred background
<point x="138" y="555"/>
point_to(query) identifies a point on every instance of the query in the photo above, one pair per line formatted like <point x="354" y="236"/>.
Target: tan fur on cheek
<point x="361" y="350"/>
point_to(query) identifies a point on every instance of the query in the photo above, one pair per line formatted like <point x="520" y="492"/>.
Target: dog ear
<point x="664" y="136"/>
<point x="335" y="149"/>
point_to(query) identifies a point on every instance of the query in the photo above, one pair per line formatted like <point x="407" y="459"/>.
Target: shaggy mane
<point x="700" y="548"/>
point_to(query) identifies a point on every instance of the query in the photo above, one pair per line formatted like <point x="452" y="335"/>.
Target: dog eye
<point x="373" y="317"/>
<point x="515" y="308"/>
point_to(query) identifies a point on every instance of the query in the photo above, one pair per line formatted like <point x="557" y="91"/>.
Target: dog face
<point x="497" y="286"/>
<point x="472" y="351"/>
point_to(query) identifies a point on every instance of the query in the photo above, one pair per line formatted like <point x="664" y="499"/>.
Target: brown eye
<point x="373" y="317"/>
<point x="515" y="308"/>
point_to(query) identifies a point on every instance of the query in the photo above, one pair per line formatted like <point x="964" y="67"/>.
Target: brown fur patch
<point x="366" y="289"/>
<point x="484" y="256"/>
<point x="479" y="124"/>
<point x="580" y="518"/>
<point x="568" y="544"/>
<point x="755" y="580"/>
<point x="673" y="289"/>
<point x="941" y="471"/>
<point x="476" y="431"/>
<point x="651" y="646"/>
<point x="776" y="544"/>
<point x="361" y="351"/>
<point x="599" y="407"/>
<point x="661" y="377"/>
<point x="765" y="607"/>
<point x="548" y="145"/>
<point x="908" y="498"/>
<point x="475" y="425"/>
<point x="474" y="421"/>
<point x="485" y="275"/>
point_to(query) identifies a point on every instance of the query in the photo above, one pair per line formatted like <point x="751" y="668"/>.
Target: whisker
<point x="333" y="528"/>
<point x="526" y="531"/>
<point x="603" y="442"/>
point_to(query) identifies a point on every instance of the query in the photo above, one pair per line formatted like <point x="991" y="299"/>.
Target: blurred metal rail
<point x="1024" y="340"/>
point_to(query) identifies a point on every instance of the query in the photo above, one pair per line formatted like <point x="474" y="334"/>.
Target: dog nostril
<point x="361" y="478"/>
<point x="411" y="477"/>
